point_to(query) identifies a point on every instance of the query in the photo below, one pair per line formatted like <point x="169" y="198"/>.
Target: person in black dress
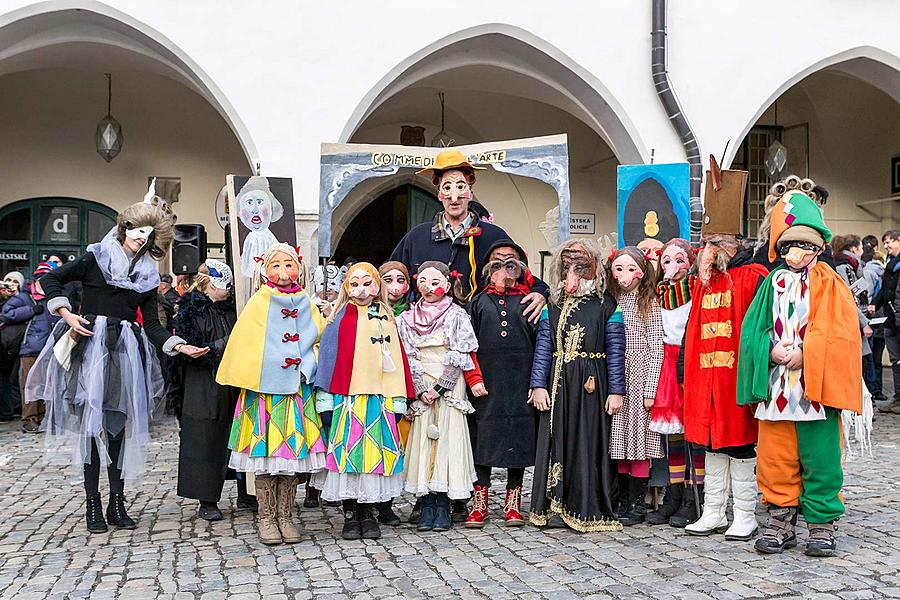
<point x="504" y="425"/>
<point x="98" y="374"/>
<point x="206" y="316"/>
<point x="578" y="382"/>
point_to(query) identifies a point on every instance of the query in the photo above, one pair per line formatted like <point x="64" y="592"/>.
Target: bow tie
<point x="374" y="316"/>
<point x="381" y="340"/>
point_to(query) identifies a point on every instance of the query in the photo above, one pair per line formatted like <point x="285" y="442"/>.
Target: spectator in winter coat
<point x="848" y="264"/>
<point x="887" y="298"/>
<point x="31" y="308"/>
<point x="10" y="336"/>
<point x="873" y="271"/>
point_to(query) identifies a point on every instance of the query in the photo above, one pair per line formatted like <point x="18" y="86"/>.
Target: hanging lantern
<point x="442" y="139"/>
<point x="109" y="132"/>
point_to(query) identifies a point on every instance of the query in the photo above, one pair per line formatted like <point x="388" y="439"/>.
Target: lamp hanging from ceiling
<point x="776" y="155"/>
<point x="442" y="139"/>
<point x="108" y="136"/>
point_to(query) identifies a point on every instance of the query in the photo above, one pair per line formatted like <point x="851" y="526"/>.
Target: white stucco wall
<point x="290" y="75"/>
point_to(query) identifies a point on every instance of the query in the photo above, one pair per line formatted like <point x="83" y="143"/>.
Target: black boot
<point x="670" y="505"/>
<point x="115" y="512"/>
<point x="245" y="500"/>
<point x="778" y="534"/>
<point x="821" y="539"/>
<point x="637" y="508"/>
<point x="416" y="513"/>
<point x="352" y="529"/>
<point x="312" y="497"/>
<point x="687" y="513"/>
<point x="209" y="511"/>
<point x="95" y="521"/>
<point x="386" y="514"/>
<point x="459" y="511"/>
<point x="367" y="522"/>
<point x="624" y="498"/>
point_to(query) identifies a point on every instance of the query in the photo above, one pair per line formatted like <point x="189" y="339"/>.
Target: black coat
<point x="504" y="426"/>
<point x="887" y="297"/>
<point x="208" y="407"/>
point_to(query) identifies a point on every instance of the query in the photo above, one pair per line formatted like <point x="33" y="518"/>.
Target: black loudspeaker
<point x="189" y="249"/>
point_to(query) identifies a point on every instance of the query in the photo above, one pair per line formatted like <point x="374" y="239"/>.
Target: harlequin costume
<point x="364" y="378"/>
<point x="813" y="310"/>
<point x="712" y="416"/>
<point x="579" y="358"/>
<point x="276" y="432"/>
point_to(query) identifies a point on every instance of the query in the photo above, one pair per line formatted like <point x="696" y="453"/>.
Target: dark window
<point x="98" y="226"/>
<point x="16" y="225"/>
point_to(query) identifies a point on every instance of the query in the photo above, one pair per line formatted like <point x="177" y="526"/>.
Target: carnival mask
<point x="362" y="284"/>
<point x="255" y="209"/>
<point x="397" y="285"/>
<point x="327" y="281"/>
<point x="715" y="256"/>
<point x="432" y="284"/>
<point x="454" y="192"/>
<point x="799" y="255"/>
<point x="626" y="272"/>
<point x="577" y="265"/>
<point x="675" y="263"/>
<point x="283" y="269"/>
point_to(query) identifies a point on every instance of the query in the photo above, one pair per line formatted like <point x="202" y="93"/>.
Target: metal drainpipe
<point x="674" y="112"/>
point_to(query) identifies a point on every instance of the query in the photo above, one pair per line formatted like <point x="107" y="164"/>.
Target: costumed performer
<point x="206" y="316"/>
<point x="578" y="382"/>
<point x="98" y="374"/>
<point x="632" y="444"/>
<point x="503" y="427"/>
<point x="795" y="343"/>
<point x="438" y="338"/>
<point x="271" y="356"/>
<point x="363" y="382"/>
<point x="679" y="507"/>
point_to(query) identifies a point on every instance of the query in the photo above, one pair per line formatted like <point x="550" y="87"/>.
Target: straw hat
<point x="445" y="161"/>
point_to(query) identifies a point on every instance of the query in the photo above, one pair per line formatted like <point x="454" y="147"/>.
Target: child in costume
<point x="395" y="279"/>
<point x="327" y="280"/>
<point x="364" y="380"/>
<point x="98" y="374"/>
<point x="679" y="507"/>
<point x="438" y="338"/>
<point x="271" y="357"/>
<point x="632" y="443"/>
<point x="504" y="426"/>
<point x="795" y="343"/>
<point x="206" y="316"/>
<point x="578" y="383"/>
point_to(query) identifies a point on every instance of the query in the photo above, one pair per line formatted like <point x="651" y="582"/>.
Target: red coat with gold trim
<point x="712" y="416"/>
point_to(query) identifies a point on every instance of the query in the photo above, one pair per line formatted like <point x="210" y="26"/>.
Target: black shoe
<point x="245" y="500"/>
<point x="367" y="523"/>
<point x="778" y="534"/>
<point x="637" y="509"/>
<point x="624" y="498"/>
<point x="670" y="505"/>
<point x="459" y="511"/>
<point x="386" y="514"/>
<point x="352" y="529"/>
<point x="209" y="511"/>
<point x="821" y="539"/>
<point x="115" y="512"/>
<point x="312" y="497"/>
<point x="443" y="518"/>
<point x="416" y="515"/>
<point x="687" y="512"/>
<point x="95" y="521"/>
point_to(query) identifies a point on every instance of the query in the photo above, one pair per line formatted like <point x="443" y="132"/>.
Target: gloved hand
<point x="38" y="309"/>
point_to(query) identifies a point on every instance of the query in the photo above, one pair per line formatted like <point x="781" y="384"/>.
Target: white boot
<point x="716" y="482"/>
<point x="745" y="492"/>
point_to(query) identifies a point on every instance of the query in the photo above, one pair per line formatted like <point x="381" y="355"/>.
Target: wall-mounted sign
<point x="59" y="224"/>
<point x="582" y="223"/>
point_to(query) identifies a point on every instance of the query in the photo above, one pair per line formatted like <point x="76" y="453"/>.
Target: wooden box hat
<point x="723" y="201"/>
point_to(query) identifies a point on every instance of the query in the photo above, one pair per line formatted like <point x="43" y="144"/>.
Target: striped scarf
<point x="673" y="294"/>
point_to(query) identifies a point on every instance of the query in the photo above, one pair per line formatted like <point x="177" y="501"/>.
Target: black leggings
<point x="737" y="452"/>
<point x="514" y="476"/>
<point x="92" y="469"/>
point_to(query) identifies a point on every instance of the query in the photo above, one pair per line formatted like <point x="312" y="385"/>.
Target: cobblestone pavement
<point x="45" y="550"/>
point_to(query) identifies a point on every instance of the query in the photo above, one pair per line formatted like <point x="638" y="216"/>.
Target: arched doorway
<point x="831" y="120"/>
<point x="33" y="230"/>
<point x="502" y="83"/>
<point x="373" y="233"/>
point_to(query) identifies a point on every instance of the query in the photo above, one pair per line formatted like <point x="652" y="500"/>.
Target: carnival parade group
<point x="419" y="376"/>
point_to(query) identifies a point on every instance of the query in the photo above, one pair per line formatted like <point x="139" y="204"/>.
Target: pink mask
<point x="454" y="186"/>
<point x="395" y="289"/>
<point x="432" y="281"/>
<point x="626" y="272"/>
<point x="674" y="263"/>
<point x="362" y="287"/>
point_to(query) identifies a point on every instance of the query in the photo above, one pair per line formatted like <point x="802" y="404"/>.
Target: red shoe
<point x="511" y="507"/>
<point x="479" y="513"/>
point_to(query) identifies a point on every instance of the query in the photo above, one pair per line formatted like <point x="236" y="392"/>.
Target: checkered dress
<point x="631" y="437"/>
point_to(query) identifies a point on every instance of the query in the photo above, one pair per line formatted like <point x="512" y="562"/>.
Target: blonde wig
<point x="259" y="274"/>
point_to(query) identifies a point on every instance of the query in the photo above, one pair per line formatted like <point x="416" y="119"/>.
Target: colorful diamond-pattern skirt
<point x="276" y="434"/>
<point x="365" y="455"/>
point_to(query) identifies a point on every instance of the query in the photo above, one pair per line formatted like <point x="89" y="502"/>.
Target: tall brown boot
<point x="266" y="524"/>
<point x="287" y="491"/>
